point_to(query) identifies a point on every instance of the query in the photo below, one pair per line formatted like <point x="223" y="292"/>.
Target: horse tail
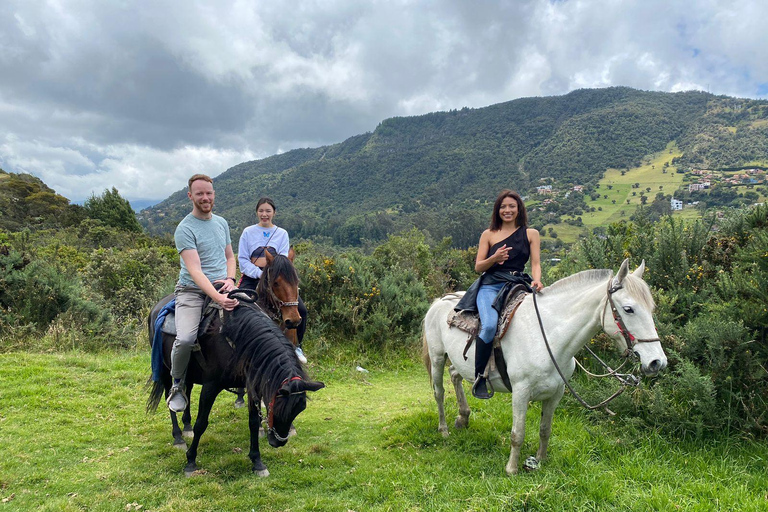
<point x="425" y="349"/>
<point x="155" y="394"/>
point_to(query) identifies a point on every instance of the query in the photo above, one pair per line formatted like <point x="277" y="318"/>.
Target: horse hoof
<point x="180" y="445"/>
<point x="189" y="470"/>
<point x="460" y="423"/>
<point x="189" y="433"/>
<point x="239" y="403"/>
<point x="261" y="473"/>
<point x="443" y="432"/>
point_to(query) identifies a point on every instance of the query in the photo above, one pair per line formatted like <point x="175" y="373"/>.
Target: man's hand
<point x="222" y="299"/>
<point x="227" y="285"/>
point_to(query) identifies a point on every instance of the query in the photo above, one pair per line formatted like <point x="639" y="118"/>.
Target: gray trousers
<point x="189" y="310"/>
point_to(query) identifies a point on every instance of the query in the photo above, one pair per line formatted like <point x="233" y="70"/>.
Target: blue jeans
<point x="489" y="318"/>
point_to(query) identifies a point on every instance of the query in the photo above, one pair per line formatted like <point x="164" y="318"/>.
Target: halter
<point x="273" y="297"/>
<point x="271" y="409"/>
<point x="630" y="340"/>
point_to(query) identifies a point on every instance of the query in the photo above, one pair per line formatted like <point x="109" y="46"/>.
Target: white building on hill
<point x="676" y="204"/>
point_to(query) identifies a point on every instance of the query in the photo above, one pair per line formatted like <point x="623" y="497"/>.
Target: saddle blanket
<point x="470" y="322"/>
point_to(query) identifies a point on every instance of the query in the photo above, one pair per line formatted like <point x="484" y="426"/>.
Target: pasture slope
<point x="616" y="189"/>
<point x="74" y="436"/>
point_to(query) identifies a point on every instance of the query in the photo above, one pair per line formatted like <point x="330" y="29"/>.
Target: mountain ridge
<point x="408" y="168"/>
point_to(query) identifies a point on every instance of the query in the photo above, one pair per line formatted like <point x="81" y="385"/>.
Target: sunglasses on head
<point x="259" y="252"/>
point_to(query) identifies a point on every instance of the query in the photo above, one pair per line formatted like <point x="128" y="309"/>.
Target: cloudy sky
<point x="141" y="94"/>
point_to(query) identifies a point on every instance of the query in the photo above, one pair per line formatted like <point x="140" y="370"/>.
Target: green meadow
<point x="617" y="188"/>
<point x="74" y="436"/>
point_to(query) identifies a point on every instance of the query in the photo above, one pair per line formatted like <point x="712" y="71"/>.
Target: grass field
<point x="614" y="207"/>
<point x="74" y="436"/>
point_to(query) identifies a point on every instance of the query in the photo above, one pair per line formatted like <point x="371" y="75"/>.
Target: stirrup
<point x="488" y="386"/>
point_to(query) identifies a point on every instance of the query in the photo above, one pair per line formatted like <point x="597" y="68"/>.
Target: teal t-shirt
<point x="209" y="238"/>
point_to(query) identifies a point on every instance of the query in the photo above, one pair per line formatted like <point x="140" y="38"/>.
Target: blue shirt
<point x="210" y="238"/>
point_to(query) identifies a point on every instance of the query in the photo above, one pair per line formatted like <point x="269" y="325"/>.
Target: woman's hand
<point x="536" y="285"/>
<point x="501" y="255"/>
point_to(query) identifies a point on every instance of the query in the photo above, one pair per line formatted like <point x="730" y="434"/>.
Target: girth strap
<point x="501" y="366"/>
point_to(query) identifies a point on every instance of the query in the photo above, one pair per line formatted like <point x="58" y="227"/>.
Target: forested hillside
<point x="438" y="171"/>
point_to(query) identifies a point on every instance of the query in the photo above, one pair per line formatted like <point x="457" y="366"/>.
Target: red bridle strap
<point x="271" y="407"/>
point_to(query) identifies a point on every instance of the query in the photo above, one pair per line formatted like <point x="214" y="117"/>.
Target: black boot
<point x="482" y="354"/>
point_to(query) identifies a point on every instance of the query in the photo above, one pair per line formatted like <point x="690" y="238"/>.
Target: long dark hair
<point x="522" y="217"/>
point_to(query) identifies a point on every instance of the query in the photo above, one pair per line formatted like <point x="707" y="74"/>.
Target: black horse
<point x="277" y="295"/>
<point x="260" y="359"/>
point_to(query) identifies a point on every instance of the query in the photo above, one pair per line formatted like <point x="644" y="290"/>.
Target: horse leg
<point x="462" y="420"/>
<point x="545" y="429"/>
<point x="207" y="397"/>
<point x="437" y="367"/>
<point x="519" y="410"/>
<point x="186" y="418"/>
<point x="254" y="422"/>
<point x="178" y="441"/>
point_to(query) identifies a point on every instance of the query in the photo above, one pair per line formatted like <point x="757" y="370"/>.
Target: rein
<point x="626" y="380"/>
<point x="271" y="409"/>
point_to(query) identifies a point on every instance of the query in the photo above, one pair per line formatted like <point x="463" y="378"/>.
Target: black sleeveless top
<point x="520" y="251"/>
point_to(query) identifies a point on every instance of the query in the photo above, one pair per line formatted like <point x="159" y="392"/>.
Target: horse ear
<point x="291" y="254"/>
<point x="639" y="271"/>
<point x="623" y="271"/>
<point x="311" y="386"/>
<point x="268" y="256"/>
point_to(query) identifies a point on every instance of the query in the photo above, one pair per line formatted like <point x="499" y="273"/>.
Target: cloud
<point x="79" y="169"/>
<point x="136" y="95"/>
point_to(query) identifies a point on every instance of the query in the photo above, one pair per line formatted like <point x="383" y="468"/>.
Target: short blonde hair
<point x="196" y="177"/>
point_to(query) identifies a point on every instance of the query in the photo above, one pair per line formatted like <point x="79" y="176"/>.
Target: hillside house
<point x="676" y="204"/>
<point x="544" y="189"/>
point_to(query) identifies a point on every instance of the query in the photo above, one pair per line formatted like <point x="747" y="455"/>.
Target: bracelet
<point x="233" y="279"/>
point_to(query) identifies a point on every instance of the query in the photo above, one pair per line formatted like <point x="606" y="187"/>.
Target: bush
<point x="132" y="280"/>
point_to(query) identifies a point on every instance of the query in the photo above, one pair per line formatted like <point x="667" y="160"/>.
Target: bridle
<point x="274" y="298"/>
<point x="271" y="409"/>
<point x="626" y="380"/>
<point x="629" y="338"/>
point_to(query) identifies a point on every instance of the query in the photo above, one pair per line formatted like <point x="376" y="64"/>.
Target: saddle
<point x="210" y="321"/>
<point x="211" y="311"/>
<point x="469" y="322"/>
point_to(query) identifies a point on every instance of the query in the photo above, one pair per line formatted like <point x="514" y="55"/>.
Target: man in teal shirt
<point x="205" y="247"/>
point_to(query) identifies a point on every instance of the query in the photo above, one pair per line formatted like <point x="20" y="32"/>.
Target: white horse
<point x="572" y="311"/>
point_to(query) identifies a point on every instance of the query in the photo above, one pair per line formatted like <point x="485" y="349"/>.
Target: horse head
<point x="289" y="401"/>
<point x="279" y="286"/>
<point x="629" y="305"/>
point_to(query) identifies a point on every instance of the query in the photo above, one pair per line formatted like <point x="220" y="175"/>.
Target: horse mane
<point x="263" y="354"/>
<point x="281" y="266"/>
<point x="634" y="285"/>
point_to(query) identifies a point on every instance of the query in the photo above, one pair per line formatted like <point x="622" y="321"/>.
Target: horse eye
<point x="628" y="309"/>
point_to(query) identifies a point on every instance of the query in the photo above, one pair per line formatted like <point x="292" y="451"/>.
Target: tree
<point x="112" y="210"/>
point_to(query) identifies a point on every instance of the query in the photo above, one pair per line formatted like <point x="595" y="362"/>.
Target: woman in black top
<point x="504" y="249"/>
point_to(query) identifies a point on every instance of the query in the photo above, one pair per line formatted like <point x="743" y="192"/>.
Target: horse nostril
<point x="654" y="366"/>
